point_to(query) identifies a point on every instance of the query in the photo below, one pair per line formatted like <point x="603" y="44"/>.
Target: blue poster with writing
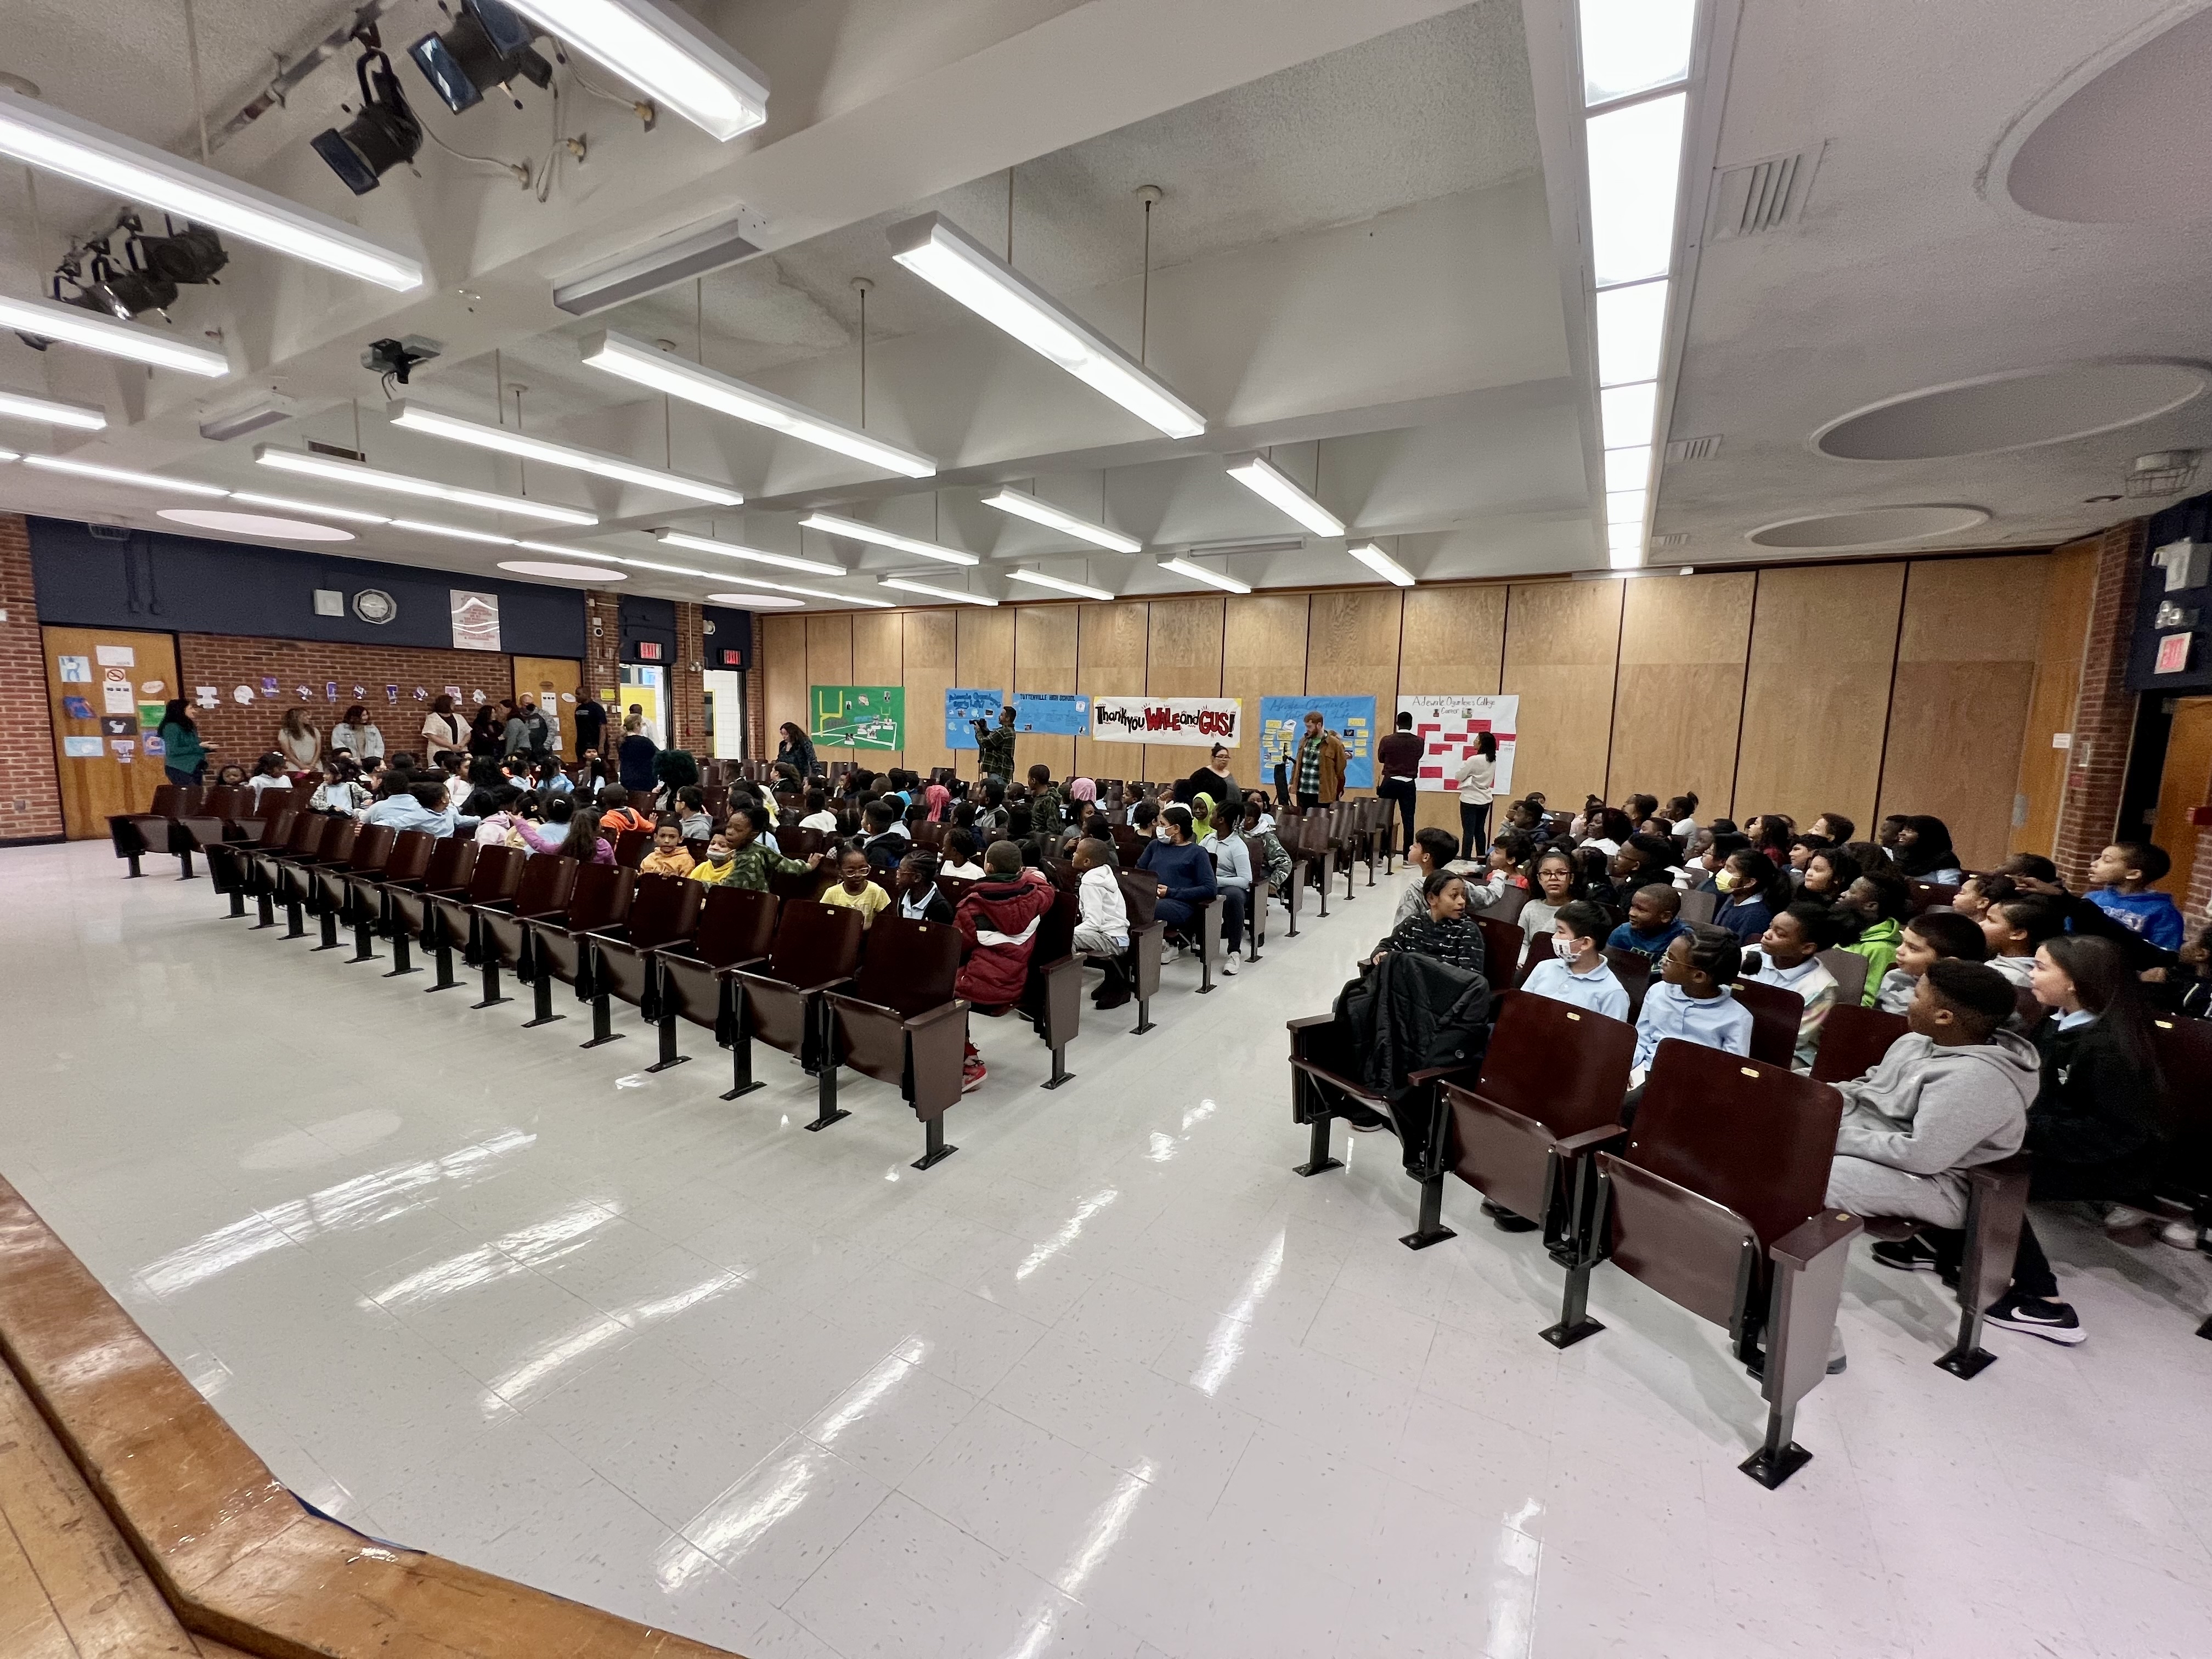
<point x="963" y="707"/>
<point x="1282" y="727"/>
<point x="1052" y="714"/>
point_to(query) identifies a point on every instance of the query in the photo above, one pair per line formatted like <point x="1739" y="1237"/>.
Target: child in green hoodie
<point x="1878" y="902"/>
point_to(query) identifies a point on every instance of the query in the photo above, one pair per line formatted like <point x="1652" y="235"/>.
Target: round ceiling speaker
<point x="1871" y="526"/>
<point x="2018" y="410"/>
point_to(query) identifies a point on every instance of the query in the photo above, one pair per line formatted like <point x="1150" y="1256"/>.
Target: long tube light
<point x="665" y="55"/>
<point x="943" y="255"/>
<point x="1199" y="573"/>
<point x="703" y="575"/>
<point x="455" y="531"/>
<point x="960" y="595"/>
<point x="416" y="418"/>
<point x="50" y="320"/>
<point x="42" y="136"/>
<point x="731" y="550"/>
<point x="399" y="484"/>
<point x="1381" y="564"/>
<point x="1039" y="579"/>
<point x="1043" y="513"/>
<point x="120" y="475"/>
<point x="21" y="406"/>
<point x="1260" y="475"/>
<point x="854" y="530"/>
<point x="643" y="365"/>
<point x="810" y="593"/>
<point x="314" y="509"/>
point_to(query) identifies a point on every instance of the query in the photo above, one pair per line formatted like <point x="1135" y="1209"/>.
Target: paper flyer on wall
<point x="963" y="707"/>
<point x="74" y="671"/>
<point x="116" y="656"/>
<point x="1447" y="725"/>
<point x="82" y="748"/>
<point x="476" y="620"/>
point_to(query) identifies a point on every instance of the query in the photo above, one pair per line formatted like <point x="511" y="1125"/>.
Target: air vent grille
<point x="1676" y="538"/>
<point x="338" y="450"/>
<point x="1761" y="196"/>
<point x="1693" y="449"/>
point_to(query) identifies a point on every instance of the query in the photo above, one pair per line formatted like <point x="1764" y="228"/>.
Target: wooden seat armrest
<point x="618" y="934"/>
<point x="1590" y="1140"/>
<point x="1815" y="1237"/>
<point x="1308" y="1021"/>
<point x="1463" y="1075"/>
<point x="730" y="970"/>
<point x="943" y="1012"/>
<point x="826" y="985"/>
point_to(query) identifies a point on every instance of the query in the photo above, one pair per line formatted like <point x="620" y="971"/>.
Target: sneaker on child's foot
<point x="972" y="1074"/>
<point x="2126" y="1225"/>
<point x="1228" y="963"/>
<point x="2054" y="1322"/>
<point x="2183" y="1235"/>
<point x="1906" y="1255"/>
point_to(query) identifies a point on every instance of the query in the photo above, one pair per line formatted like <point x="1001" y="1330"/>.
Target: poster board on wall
<point x="1447" y="724"/>
<point x="857" y="716"/>
<point x="1282" y="727"/>
<point x="963" y="706"/>
<point x="1191" y="722"/>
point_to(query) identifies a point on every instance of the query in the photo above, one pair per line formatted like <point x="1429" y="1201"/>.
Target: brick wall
<point x="602" y="647"/>
<point x="757" y="747"/>
<point x="2104" y="717"/>
<point x="30" y="791"/>
<point x="687" y="683"/>
<point x="244" y="732"/>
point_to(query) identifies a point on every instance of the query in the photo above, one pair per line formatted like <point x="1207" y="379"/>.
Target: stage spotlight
<point x="194" y="254"/>
<point x="488" y="46"/>
<point x="102" y="287"/>
<point x="384" y="136"/>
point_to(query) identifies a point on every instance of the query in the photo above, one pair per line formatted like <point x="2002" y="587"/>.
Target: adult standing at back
<point x="1318" y="773"/>
<point x="484" y="732"/>
<point x="1477" y="778"/>
<point x="1214" y="781"/>
<point x="298" y="740"/>
<point x="591" y="723"/>
<point x="184" y="757"/>
<point x="357" y="732"/>
<point x="526" y="732"/>
<point x="994" y="747"/>
<point x="797" y="749"/>
<point x="442" y="730"/>
<point x="1398" y="760"/>
<point x="636" y="758"/>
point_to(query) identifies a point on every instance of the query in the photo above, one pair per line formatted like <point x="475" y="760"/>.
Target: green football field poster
<point x="858" y="716"/>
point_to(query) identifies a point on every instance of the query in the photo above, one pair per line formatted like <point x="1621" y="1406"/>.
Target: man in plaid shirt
<point x="995" y="748"/>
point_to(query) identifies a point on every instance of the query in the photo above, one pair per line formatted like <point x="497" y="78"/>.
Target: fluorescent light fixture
<point x="1627" y="469"/>
<point x="1634" y="46"/>
<point x="345" y="514"/>
<point x="42" y="136"/>
<point x="569" y="552"/>
<point x="1626" y="506"/>
<point x="50" y="319"/>
<point x="1618" y="536"/>
<point x="731" y="550"/>
<point x="1635" y="165"/>
<point x="1625" y="413"/>
<point x="1260" y="475"/>
<point x="644" y="365"/>
<point x="399" y="484"/>
<point x="960" y="595"/>
<point x="120" y="475"/>
<point x="21" y="406"/>
<point x="703" y="575"/>
<point x="1038" y="579"/>
<point x="853" y="529"/>
<point x="1199" y="573"/>
<point x="438" y="424"/>
<point x="9" y="455"/>
<point x="1381" y="564"/>
<point x="811" y="592"/>
<point x="943" y="255"/>
<point x="695" y="250"/>
<point x="1631" y="328"/>
<point x="665" y="55"/>
<point x="454" y="530"/>
<point x="1626" y="558"/>
<point x="1037" y="511"/>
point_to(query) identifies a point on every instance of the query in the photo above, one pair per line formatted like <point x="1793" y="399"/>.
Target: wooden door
<point x="2186" y="784"/>
<point x="553" y="682"/>
<point x="103" y="689"/>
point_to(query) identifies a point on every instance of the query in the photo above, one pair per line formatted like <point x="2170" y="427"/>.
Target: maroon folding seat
<point x="1634" y="970"/>
<point x="663" y="910"/>
<point x="449" y="913"/>
<point x="817" y="946"/>
<point x="736" y="928"/>
<point x="407" y="902"/>
<point x="413" y="852"/>
<point x="1140" y="897"/>
<point x="369" y="850"/>
<point x="1853" y="1040"/>
<point x="902" y="1024"/>
<point x="500" y="926"/>
<point x="1052" y="998"/>
<point x="559" y="944"/>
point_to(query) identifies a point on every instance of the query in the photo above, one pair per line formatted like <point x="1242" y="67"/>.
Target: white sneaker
<point x="1229" y="964"/>
<point x="2182" y="1235"/>
<point x="2126" y="1225"/>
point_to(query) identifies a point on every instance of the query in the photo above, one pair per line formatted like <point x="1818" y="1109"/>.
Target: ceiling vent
<point x="2162" y="472"/>
<point x="339" y="450"/>
<point x="1675" y="538"/>
<point x="1761" y="196"/>
<point x="1693" y="449"/>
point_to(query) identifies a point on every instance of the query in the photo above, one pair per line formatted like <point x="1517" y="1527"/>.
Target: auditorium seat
<point x="737" y="928"/>
<point x="900" y="1024"/>
<point x="559" y="947"/>
<point x="413" y="852"/>
<point x="1776" y="1014"/>
<point x="370" y="851"/>
<point x="1849" y="969"/>
<point x="1051" y="998"/>
<point x="1853" y="1040"/>
<point x="817" y="946"/>
<point x="663" y="911"/>
<point x="500" y="926"/>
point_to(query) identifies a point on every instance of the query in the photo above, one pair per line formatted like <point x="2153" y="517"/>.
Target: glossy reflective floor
<point x="1111" y="1382"/>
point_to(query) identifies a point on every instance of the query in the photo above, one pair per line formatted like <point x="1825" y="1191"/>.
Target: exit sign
<point x="648" y="651"/>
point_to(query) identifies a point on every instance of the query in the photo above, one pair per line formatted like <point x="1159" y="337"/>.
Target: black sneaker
<point x="2054" y="1322"/>
<point x="1906" y="1255"/>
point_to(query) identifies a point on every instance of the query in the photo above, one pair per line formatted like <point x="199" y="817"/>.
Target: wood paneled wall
<point x="1896" y="686"/>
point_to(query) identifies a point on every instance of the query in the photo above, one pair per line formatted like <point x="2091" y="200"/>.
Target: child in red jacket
<point x="997" y="922"/>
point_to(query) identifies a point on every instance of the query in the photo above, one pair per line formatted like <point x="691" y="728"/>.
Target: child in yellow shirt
<point x="720" y="864"/>
<point x="855" y="890"/>
<point x="669" y="856"/>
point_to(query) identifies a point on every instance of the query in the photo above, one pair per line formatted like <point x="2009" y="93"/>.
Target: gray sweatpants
<point x="1097" y="942"/>
<point x="1866" y="1188"/>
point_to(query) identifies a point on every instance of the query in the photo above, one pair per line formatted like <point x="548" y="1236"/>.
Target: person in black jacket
<point x="796" y="749"/>
<point x="919" y="896"/>
<point x="2092" y="1131"/>
<point x="1443" y="930"/>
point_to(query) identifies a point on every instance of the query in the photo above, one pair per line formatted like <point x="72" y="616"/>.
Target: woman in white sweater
<point x="1477" y="776"/>
<point x="443" y="730"/>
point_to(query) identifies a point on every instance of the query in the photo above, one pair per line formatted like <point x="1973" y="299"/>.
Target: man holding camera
<point x="994" y="747"/>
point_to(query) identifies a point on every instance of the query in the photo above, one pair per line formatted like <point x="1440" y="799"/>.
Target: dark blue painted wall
<point x="2189" y="520"/>
<point x="184" y="585"/>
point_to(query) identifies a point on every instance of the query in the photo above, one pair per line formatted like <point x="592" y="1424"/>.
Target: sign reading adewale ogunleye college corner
<point x="1196" y="722"/>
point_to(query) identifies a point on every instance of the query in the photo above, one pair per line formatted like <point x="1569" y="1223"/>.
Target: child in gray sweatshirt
<point x="1952" y="1093"/>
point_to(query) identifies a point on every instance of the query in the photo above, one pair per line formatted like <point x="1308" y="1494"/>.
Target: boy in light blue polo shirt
<point x="1576" y="972"/>
<point x="1693" y="1001"/>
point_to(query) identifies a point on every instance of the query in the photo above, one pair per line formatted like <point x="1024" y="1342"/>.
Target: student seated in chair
<point x="1691" y="999"/>
<point x="1101" y="928"/>
<point x="920" y="898"/>
<point x="1875" y="904"/>
<point x="1928" y="938"/>
<point x="855" y="887"/>
<point x="960" y="855"/>
<point x="998" y="923"/>
<point x="753" y="860"/>
<point x="1654" y="922"/>
<point x="1444" y="929"/>
<point x="2014" y="928"/>
<point x="1576" y="971"/>
<point x="669" y="856"/>
<point x="1433" y="850"/>
<point x="1182" y="869"/>
<point x="2123" y="873"/>
<point x="718" y="864"/>
<point x="1789" y="958"/>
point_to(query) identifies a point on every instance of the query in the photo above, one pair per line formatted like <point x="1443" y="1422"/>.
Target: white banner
<point x="1447" y="726"/>
<point x="1195" y="722"/>
<point x="476" y="620"/>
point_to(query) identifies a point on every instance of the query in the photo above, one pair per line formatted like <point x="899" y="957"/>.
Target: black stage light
<point x="487" y="46"/>
<point x="384" y="136"/>
<point x="120" y="293"/>
<point x="193" y="255"/>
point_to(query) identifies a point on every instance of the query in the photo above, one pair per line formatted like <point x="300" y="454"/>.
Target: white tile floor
<point x="1110" y="1382"/>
